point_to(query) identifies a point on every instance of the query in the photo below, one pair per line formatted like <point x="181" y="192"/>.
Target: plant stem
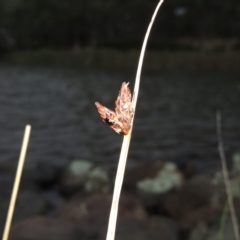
<point x="226" y="177"/>
<point x="16" y="182"/>
<point x="127" y="139"/>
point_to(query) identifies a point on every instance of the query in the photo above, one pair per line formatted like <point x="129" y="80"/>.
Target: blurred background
<point x="58" y="57"/>
<point x="182" y="25"/>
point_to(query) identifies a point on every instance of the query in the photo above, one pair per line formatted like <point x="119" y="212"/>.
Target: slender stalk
<point x="223" y="222"/>
<point x="16" y="182"/>
<point x="226" y="178"/>
<point x="127" y="139"/>
<point x="139" y="69"/>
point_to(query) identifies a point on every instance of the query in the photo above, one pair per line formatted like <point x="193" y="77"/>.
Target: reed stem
<point x="127" y="138"/>
<point x="226" y="178"/>
<point x="17" y="182"/>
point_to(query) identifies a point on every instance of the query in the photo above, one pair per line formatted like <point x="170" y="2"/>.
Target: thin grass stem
<point x="226" y="177"/>
<point x="127" y="138"/>
<point x="223" y="222"/>
<point x="17" y="182"/>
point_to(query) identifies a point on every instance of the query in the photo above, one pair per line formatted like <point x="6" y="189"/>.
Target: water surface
<point x="175" y="117"/>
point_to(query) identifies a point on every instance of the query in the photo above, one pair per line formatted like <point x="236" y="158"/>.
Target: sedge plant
<point x="127" y="138"/>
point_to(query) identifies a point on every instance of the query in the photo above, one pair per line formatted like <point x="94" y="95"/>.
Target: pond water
<point x="175" y="115"/>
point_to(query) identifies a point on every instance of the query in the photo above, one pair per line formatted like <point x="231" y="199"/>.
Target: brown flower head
<point x="120" y="120"/>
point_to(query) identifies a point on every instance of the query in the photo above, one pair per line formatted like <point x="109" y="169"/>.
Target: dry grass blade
<point x="226" y="177"/>
<point x="16" y="182"/>
<point x="127" y="138"/>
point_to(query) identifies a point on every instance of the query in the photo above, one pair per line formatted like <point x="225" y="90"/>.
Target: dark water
<point x="175" y="116"/>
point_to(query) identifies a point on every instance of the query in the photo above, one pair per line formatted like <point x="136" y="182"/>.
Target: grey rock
<point x="42" y="228"/>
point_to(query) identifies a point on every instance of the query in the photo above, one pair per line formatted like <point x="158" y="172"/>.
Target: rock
<point x="6" y="185"/>
<point x="214" y="232"/>
<point x="154" y="228"/>
<point x="38" y="172"/>
<point x="161" y="228"/>
<point x="188" y="169"/>
<point x="207" y="215"/>
<point x="81" y="174"/>
<point x="39" y="228"/>
<point x="194" y="194"/>
<point x="97" y="181"/>
<point x="95" y="209"/>
<point x="76" y="173"/>
<point x="199" y="232"/>
<point x="44" y="173"/>
<point x="28" y="204"/>
<point x="54" y="200"/>
<point x="136" y="174"/>
<point x="131" y="207"/>
<point x="168" y="177"/>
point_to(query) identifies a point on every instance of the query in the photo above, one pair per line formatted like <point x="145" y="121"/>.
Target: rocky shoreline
<point x="158" y="201"/>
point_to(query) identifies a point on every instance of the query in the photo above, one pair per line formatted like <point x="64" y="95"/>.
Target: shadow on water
<point x="175" y="117"/>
